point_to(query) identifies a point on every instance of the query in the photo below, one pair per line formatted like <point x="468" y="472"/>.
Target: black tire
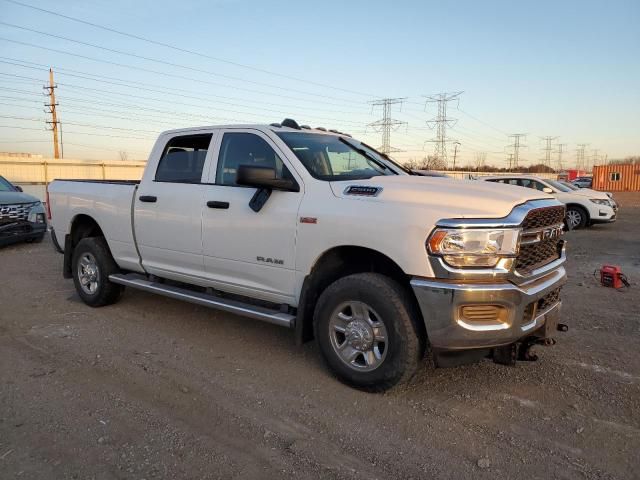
<point x="105" y="292"/>
<point x="388" y="301"/>
<point x="580" y="214"/>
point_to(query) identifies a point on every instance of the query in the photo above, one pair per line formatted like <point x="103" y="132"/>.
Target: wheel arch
<point x="584" y="209"/>
<point x="338" y="262"/>
<point x="81" y="226"/>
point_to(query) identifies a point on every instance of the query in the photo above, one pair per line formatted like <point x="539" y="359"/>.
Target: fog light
<point x="40" y="218"/>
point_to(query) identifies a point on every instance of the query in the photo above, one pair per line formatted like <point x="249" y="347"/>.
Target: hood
<point x="587" y="192"/>
<point x="460" y="198"/>
<point x="16" y="197"/>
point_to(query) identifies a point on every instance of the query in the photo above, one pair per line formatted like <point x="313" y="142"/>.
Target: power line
<point x="441" y="122"/>
<point x="163" y="62"/>
<point x="165" y="74"/>
<point x="386" y="124"/>
<point x="163" y="90"/>
<point x="183" y="50"/>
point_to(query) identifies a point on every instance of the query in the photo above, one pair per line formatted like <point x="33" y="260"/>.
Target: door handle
<point x="214" y="204"/>
<point x="148" y="198"/>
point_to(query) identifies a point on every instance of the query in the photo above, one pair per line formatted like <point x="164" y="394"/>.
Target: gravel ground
<point x="156" y="388"/>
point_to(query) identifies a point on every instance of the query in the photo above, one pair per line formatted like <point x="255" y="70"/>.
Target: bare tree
<point x="480" y="160"/>
<point x="123" y="156"/>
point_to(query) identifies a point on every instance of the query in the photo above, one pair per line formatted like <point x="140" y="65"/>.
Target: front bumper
<point x="20" y="231"/>
<point x="530" y="307"/>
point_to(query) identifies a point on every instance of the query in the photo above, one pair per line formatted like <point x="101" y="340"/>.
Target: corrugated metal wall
<point x="617" y="178"/>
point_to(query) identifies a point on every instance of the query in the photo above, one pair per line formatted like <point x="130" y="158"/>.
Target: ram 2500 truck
<point x="316" y="231"/>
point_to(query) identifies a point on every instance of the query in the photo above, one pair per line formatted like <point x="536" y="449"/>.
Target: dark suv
<point x="22" y="216"/>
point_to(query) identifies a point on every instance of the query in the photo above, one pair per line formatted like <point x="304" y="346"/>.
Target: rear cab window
<point x="183" y="158"/>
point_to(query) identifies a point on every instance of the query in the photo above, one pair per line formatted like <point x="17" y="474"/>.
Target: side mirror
<point x="18" y="188"/>
<point x="547" y="190"/>
<point x="265" y="180"/>
<point x="264" y="177"/>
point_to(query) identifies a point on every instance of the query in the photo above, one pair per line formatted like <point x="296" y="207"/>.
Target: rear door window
<point x="183" y="159"/>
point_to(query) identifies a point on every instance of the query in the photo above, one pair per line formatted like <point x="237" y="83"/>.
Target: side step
<point x="140" y="282"/>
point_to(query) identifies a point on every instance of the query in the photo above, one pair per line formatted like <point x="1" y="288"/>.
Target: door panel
<point x="244" y="251"/>
<point x="168" y="219"/>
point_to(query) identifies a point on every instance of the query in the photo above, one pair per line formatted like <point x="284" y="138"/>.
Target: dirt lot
<point x="155" y="388"/>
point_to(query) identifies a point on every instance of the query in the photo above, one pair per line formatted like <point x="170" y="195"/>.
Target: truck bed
<point x="110" y="203"/>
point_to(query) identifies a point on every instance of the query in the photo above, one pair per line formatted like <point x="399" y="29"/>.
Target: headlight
<point x="480" y="248"/>
<point x="600" y="201"/>
<point x="35" y="213"/>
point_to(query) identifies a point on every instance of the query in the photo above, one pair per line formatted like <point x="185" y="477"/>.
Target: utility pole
<point x="559" y="152"/>
<point x="455" y="152"/>
<point x="52" y="110"/>
<point x="580" y="156"/>
<point x="441" y="122"/>
<point x="387" y="123"/>
<point x="516" y="145"/>
<point x="547" y="150"/>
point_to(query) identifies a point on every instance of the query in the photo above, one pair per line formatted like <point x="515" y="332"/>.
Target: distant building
<point x="617" y="178"/>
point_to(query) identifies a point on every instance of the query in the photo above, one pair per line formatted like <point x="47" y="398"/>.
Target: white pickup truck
<point x="315" y="231"/>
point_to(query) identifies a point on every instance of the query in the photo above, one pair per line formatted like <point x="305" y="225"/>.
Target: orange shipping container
<point x="617" y="178"/>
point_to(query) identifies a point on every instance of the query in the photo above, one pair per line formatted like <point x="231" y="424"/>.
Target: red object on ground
<point x="611" y="276"/>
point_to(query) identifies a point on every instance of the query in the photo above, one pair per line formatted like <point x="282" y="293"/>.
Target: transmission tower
<point x="386" y="124"/>
<point x="559" y="151"/>
<point x="52" y="110"/>
<point x="595" y="157"/>
<point x="517" y="145"/>
<point x="580" y="156"/>
<point x="441" y="121"/>
<point x="510" y="160"/>
<point x="547" y="150"/>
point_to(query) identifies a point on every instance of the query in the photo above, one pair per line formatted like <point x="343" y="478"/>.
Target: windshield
<point x="329" y="157"/>
<point x="5" y="186"/>
<point x="558" y="186"/>
<point x="570" y="186"/>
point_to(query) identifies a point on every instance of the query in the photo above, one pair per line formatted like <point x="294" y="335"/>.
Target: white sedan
<point x="585" y="207"/>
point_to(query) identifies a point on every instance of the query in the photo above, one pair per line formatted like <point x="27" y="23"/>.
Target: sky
<point x="567" y="69"/>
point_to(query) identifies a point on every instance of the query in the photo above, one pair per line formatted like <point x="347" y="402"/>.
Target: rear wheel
<point x="92" y="264"/>
<point x="576" y="217"/>
<point x="365" y="331"/>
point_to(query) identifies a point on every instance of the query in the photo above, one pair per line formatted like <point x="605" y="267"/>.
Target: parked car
<point x="584" y="207"/>
<point x="571" y="186"/>
<point x="318" y="232"/>
<point x="583" y="182"/>
<point x="22" y="216"/>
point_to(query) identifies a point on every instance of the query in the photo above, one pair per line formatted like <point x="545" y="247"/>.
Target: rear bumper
<point x="527" y="308"/>
<point x="20" y="231"/>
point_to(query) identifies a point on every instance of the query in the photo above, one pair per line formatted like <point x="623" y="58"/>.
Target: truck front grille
<point x="15" y="212"/>
<point x="542" y="251"/>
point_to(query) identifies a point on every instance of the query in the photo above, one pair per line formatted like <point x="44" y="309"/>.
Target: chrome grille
<point x="543" y="217"/>
<point x="15" y="212"/>
<point x="541" y="251"/>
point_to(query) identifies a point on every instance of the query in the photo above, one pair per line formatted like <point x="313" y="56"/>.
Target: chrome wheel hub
<point x="88" y="273"/>
<point x="358" y="336"/>
<point x="574" y="218"/>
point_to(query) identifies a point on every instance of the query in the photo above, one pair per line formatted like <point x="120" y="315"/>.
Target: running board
<point x="140" y="282"/>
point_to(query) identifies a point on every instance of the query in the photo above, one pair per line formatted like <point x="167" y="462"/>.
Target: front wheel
<point x="576" y="218"/>
<point x="366" y="333"/>
<point x="92" y="264"/>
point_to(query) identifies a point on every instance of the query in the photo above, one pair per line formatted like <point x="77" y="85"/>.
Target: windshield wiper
<point x="363" y="152"/>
